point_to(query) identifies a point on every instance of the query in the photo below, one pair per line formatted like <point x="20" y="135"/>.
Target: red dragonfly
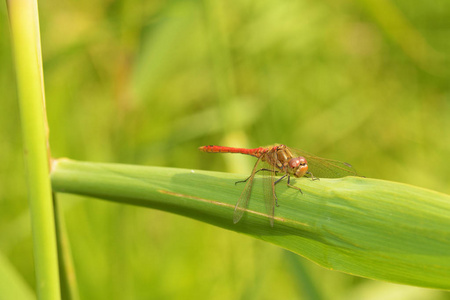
<point x="280" y="159"/>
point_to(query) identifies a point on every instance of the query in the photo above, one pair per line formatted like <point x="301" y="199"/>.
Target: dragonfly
<point x="280" y="160"/>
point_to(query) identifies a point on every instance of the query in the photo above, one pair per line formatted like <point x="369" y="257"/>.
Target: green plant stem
<point x="24" y="22"/>
<point x="68" y="279"/>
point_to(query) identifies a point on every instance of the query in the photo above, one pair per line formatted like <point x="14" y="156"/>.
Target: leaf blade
<point x="366" y="227"/>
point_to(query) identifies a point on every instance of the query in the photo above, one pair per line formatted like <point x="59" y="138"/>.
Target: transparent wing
<point x="269" y="186"/>
<point x="326" y="168"/>
<point x="242" y="204"/>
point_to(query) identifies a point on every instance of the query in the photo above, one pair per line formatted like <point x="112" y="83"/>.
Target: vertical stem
<point x="24" y="23"/>
<point x="68" y="279"/>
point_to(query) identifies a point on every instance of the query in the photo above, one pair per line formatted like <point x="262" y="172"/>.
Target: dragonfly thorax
<point x="284" y="160"/>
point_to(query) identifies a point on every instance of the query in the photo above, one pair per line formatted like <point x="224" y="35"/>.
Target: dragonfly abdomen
<point x="221" y="149"/>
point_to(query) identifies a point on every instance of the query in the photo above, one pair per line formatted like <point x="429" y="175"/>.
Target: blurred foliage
<point x="147" y="82"/>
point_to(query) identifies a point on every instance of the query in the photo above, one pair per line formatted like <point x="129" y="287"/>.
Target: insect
<point x="281" y="160"/>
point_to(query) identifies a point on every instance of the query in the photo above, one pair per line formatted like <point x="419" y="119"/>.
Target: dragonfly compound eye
<point x="296" y="162"/>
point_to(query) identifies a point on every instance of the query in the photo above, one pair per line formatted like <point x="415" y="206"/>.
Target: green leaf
<point x="366" y="227"/>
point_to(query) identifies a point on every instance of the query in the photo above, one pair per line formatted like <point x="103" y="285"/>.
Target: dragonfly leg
<point x="312" y="176"/>
<point x="275" y="194"/>
<point x="263" y="169"/>
<point x="281" y="178"/>
<point x="292" y="186"/>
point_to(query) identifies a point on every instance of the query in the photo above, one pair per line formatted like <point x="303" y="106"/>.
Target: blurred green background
<point x="147" y="82"/>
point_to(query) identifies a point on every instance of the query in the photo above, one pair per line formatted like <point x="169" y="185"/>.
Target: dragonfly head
<point x="298" y="166"/>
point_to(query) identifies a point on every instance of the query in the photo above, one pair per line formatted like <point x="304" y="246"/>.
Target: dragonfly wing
<point x="326" y="168"/>
<point x="269" y="186"/>
<point x="242" y="204"/>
